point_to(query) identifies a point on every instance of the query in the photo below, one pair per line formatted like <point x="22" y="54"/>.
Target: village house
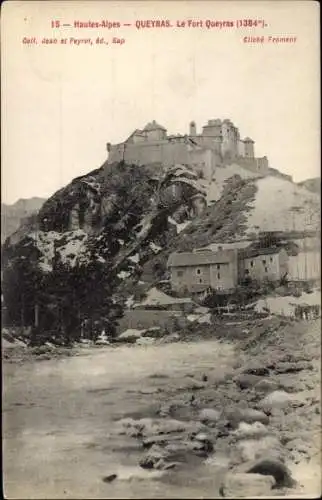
<point x="263" y="264"/>
<point x="159" y="300"/>
<point x="202" y="269"/>
<point x="157" y="310"/>
<point x="224" y="269"/>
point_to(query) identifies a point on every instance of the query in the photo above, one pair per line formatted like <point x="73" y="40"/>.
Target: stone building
<point x="305" y="266"/>
<point x="197" y="271"/>
<point x="217" y="145"/>
<point x="264" y="264"/>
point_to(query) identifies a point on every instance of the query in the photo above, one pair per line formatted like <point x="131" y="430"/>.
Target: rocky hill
<point x="12" y="216"/>
<point x="96" y="239"/>
<point x="313" y="185"/>
<point x="70" y="266"/>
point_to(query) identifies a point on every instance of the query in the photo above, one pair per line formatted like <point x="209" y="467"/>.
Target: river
<point x="58" y="417"/>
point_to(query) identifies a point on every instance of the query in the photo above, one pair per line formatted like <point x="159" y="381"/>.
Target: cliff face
<point x="104" y="225"/>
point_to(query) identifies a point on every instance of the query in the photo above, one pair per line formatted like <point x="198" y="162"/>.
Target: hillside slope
<point x="91" y="238"/>
<point x="281" y="205"/>
<point x="313" y="184"/>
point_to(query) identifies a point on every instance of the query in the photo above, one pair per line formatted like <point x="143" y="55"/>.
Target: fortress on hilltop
<point x="219" y="144"/>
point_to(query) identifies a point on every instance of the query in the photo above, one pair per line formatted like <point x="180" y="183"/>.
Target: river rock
<point x="130" y="335"/>
<point x="130" y="473"/>
<point x="275" y="468"/>
<point x="277" y="399"/>
<point x="148" y="427"/>
<point x="262" y="371"/>
<point x="298" y="444"/>
<point x="145" y="341"/>
<point x="178" y="451"/>
<point x="238" y="485"/>
<point x="266" y="446"/>
<point x="247" y="431"/>
<point x="248" y="415"/>
<point x="109" y="478"/>
<point x="160" y="439"/>
<point x="266" y="385"/>
<point x="292" y="384"/>
<point x="192" y="385"/>
<point x="153" y="458"/>
<point x="173" y="337"/>
<point x="246" y="381"/>
<point x="293" y="367"/>
<point x="166" y="409"/>
<point x="205" y="439"/>
<point x="209" y="416"/>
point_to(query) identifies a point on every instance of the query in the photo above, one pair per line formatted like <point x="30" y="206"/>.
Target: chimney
<point x="192" y="128"/>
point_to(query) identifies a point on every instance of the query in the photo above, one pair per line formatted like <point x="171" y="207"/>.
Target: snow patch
<point x="73" y="250"/>
<point x="286" y="305"/>
<point x="130" y="333"/>
<point x="206" y="319"/>
<point x="192" y="317"/>
<point x="101" y="259"/>
<point x="45" y="267"/>
<point x="155" y="248"/>
<point x="134" y="258"/>
<point x="123" y="275"/>
<point x="179" y="227"/>
<point x="129" y="302"/>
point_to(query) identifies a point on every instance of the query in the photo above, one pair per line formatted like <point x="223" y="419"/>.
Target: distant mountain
<point x="12" y="216"/>
<point x="313" y="185"/>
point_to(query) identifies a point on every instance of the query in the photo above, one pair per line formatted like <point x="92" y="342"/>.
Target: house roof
<point x="157" y="298"/>
<point x="153" y="126"/>
<point x="136" y="132"/>
<point x="248" y="139"/>
<point x="179" y="259"/>
<point x="256" y="252"/>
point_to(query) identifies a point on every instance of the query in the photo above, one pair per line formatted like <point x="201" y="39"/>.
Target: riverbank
<point x="73" y="426"/>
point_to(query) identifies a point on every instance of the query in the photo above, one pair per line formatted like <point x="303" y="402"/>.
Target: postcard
<point x="161" y="281"/>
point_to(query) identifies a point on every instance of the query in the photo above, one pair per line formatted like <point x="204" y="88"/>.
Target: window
<point x="271" y="259"/>
<point x="218" y="266"/>
<point x="266" y="269"/>
<point x="246" y="271"/>
<point x="179" y="273"/>
<point x="218" y="276"/>
<point x="198" y="271"/>
<point x="264" y="262"/>
<point x="200" y="281"/>
<point x="251" y="263"/>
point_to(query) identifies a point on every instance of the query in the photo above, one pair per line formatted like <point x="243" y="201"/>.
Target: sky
<point x="61" y="103"/>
